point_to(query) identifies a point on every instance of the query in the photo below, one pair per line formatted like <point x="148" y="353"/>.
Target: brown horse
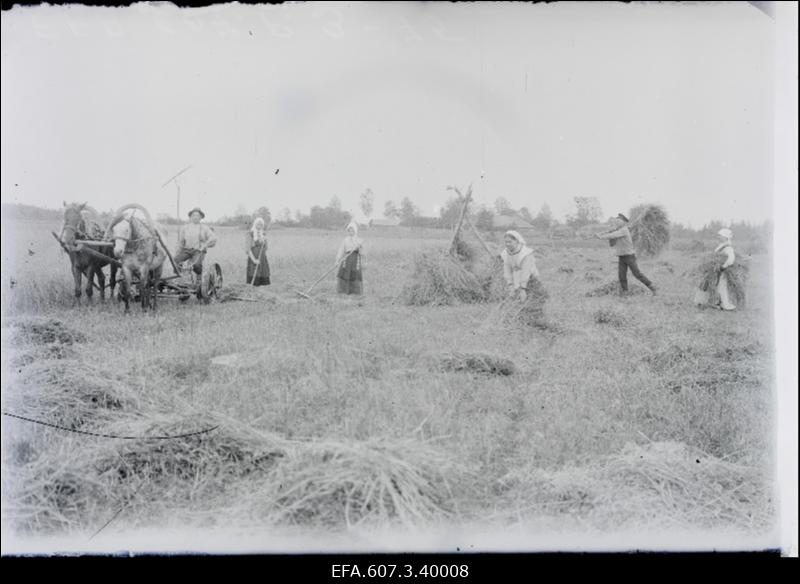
<point x="78" y="226"/>
<point x="136" y="245"/>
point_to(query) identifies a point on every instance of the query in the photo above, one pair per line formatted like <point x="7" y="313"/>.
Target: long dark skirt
<point x="349" y="279"/>
<point x="262" y="270"/>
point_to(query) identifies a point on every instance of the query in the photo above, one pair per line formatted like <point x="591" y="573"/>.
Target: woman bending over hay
<point x="522" y="278"/>
<point x="722" y="279"/>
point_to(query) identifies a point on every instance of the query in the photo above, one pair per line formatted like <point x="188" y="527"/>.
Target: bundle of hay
<point x="441" y="279"/>
<point x="489" y="271"/>
<point x="649" y="227"/>
<point x="708" y="272"/>
<point x="661" y="484"/>
<point x="512" y="312"/>
<point x="331" y="483"/>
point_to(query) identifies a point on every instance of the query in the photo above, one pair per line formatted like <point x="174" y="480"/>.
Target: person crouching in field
<point x="349" y="278"/>
<point x="620" y="239"/>
<point x="257" y="264"/>
<point x="722" y="299"/>
<point x="193" y="241"/>
<point x="522" y="277"/>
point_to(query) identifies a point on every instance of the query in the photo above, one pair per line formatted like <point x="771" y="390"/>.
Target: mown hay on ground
<point x="614" y="289"/>
<point x="608" y="316"/>
<point x="651" y="486"/>
<point x="171" y="462"/>
<point x="46" y="331"/>
<point x="671" y="357"/>
<point x="71" y="394"/>
<point x="475" y="362"/>
<point x="649" y="227"/>
<point x="330" y="483"/>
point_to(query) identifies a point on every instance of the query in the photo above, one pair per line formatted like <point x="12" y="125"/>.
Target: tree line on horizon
<point x="588" y="212"/>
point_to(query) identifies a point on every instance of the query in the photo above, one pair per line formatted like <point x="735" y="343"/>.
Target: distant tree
<point x="484" y="219"/>
<point x="502" y="206"/>
<point x="285" y="216"/>
<point x="264" y="213"/>
<point x="366" y="202"/>
<point x="335" y="204"/>
<point x="450" y="212"/>
<point x="525" y="213"/>
<point x="408" y="212"/>
<point x="390" y="210"/>
<point x="588" y="211"/>
<point x="544" y="219"/>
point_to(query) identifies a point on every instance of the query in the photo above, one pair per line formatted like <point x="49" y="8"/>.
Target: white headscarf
<point x="258" y="229"/>
<point x="351" y="241"/>
<point x="523" y="251"/>
<point x="727" y="234"/>
<point x="517" y="236"/>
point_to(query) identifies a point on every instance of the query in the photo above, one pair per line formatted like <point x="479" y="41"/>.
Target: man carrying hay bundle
<point x="721" y="275"/>
<point x="522" y="277"/>
<point x="622" y="242"/>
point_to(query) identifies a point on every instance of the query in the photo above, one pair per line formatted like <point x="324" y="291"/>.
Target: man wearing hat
<point x="622" y="242"/>
<point x="193" y="240"/>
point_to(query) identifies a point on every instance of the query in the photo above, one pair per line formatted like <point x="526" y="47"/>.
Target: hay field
<point x="341" y="416"/>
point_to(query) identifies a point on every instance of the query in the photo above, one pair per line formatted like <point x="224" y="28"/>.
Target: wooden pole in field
<point x="178" y="185"/>
<point x="467" y="199"/>
<point x="483" y="243"/>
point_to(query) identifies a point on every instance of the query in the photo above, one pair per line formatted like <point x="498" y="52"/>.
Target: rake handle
<point x="333" y="267"/>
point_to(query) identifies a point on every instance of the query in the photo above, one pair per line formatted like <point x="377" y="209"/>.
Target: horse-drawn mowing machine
<point x="183" y="284"/>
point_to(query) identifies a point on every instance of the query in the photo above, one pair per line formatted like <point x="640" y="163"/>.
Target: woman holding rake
<point x="257" y="264"/>
<point x="349" y="278"/>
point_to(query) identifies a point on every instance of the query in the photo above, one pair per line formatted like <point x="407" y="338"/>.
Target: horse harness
<point x="129" y="240"/>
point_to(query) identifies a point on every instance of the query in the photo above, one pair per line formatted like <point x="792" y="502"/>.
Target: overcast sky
<point x="287" y="106"/>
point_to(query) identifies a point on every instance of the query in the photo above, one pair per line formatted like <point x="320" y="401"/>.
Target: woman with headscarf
<point x="257" y="264"/>
<point x="521" y="276"/>
<point x="349" y="278"/>
<point x="715" y="287"/>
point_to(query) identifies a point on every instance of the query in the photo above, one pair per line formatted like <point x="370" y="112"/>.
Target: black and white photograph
<point x="399" y="278"/>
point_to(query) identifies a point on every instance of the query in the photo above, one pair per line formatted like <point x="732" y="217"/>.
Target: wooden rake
<point x="322" y="277"/>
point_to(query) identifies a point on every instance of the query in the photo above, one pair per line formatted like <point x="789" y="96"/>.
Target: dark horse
<point x="77" y="226"/>
<point x="136" y="245"/>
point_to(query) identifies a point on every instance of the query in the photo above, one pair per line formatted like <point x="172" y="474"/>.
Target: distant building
<point x="562" y="232"/>
<point x="391" y="222"/>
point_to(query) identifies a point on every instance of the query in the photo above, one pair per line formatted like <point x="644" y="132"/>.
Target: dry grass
<point x="334" y="414"/>
<point x="475" y="363"/>
<point x="614" y="289"/>
<point x="658" y="485"/>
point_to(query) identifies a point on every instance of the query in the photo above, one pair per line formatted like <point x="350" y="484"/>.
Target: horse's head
<point x="74" y="223"/>
<point x="121" y="233"/>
